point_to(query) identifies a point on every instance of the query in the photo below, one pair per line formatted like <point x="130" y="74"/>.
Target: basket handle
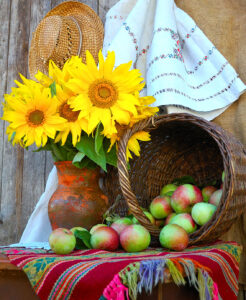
<point x="124" y="175"/>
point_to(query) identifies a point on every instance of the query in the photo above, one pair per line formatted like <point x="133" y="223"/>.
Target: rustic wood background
<point x="23" y="173"/>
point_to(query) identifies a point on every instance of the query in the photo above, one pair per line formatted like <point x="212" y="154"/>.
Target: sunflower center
<point x="36" y="118"/>
<point x="103" y="93"/>
<point x="67" y="113"/>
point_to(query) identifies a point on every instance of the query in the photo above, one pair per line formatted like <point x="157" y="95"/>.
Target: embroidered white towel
<point x="180" y="65"/>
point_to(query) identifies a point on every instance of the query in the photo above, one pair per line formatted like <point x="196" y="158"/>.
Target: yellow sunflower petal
<point x="121" y="116"/>
<point x="109" y="65"/>
<point x="94" y="119"/>
<point x="91" y="65"/>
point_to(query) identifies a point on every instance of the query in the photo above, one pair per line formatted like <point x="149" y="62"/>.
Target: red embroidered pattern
<point x="171" y="90"/>
<point x="191" y="86"/>
<point x="116" y="17"/>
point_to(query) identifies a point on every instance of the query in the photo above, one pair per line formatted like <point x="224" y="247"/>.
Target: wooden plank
<point x="12" y="168"/>
<point x="34" y="163"/>
<point x="5" y="8"/>
<point x="104" y="6"/>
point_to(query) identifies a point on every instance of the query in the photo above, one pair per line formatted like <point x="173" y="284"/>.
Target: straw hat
<point x="69" y="29"/>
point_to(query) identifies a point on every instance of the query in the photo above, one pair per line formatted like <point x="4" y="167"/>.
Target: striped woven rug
<point x="95" y="274"/>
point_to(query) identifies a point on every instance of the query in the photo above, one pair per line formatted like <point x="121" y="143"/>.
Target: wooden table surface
<point x="14" y="285"/>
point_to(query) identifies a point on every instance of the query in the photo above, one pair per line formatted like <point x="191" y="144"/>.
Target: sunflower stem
<point x="57" y="153"/>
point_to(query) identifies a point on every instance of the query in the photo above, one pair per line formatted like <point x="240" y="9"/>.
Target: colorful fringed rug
<point x="95" y="274"/>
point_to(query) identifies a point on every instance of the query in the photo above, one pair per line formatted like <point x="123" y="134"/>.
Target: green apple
<point x="202" y="212"/>
<point x="160" y="207"/>
<point x="185" y="221"/>
<point x="148" y="215"/>
<point x="62" y="241"/>
<point x="120" y="224"/>
<point x="216" y="197"/>
<point x="223" y="176"/>
<point x="207" y="192"/>
<point x="169" y="218"/>
<point x="105" y="238"/>
<point x="135" y="238"/>
<point x="169" y="188"/>
<point x="174" y="237"/>
<point x="95" y="227"/>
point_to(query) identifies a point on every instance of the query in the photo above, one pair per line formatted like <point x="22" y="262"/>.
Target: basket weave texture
<point x="181" y="144"/>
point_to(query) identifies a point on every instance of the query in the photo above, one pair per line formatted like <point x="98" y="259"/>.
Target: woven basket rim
<point x="153" y="123"/>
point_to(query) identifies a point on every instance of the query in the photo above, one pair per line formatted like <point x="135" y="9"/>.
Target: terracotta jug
<point x="78" y="200"/>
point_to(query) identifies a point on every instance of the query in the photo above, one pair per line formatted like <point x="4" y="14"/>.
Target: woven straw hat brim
<point x="91" y="27"/>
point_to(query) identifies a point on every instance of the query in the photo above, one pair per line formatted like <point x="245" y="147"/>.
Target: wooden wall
<point x="22" y="173"/>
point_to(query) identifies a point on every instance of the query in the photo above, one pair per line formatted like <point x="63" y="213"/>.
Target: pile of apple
<point x="132" y="237"/>
<point x="178" y="211"/>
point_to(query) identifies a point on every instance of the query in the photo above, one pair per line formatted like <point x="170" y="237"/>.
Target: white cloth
<point x="179" y="63"/>
<point x="30" y="245"/>
<point x="38" y="227"/>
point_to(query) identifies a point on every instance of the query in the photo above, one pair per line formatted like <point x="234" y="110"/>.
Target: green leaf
<point x="57" y="152"/>
<point x="47" y="147"/>
<point x="98" y="138"/>
<point x="70" y="155"/>
<point x="85" y="163"/>
<point x="78" y="157"/>
<point x="80" y="245"/>
<point x="53" y="89"/>
<point x="12" y="136"/>
<point x="111" y="157"/>
<point x="84" y="237"/>
<point x="169" y="193"/>
<point x="87" y="146"/>
<point x="184" y="180"/>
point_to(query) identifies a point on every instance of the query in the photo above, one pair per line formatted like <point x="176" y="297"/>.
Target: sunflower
<point x="144" y="110"/>
<point x="105" y="94"/>
<point x="33" y="120"/>
<point x="72" y="124"/>
<point x="132" y="144"/>
<point x="60" y="76"/>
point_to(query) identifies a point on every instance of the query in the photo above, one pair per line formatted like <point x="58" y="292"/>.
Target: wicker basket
<point x="181" y="144"/>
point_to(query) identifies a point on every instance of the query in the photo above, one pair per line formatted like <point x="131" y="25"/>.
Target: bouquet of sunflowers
<point x="79" y="112"/>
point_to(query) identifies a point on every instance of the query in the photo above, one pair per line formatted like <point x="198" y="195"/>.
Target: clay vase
<point x="78" y="200"/>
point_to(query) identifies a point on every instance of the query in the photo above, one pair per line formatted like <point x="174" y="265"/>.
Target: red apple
<point x="135" y="238"/>
<point x="120" y="224"/>
<point x="160" y="207"/>
<point x="207" y="191"/>
<point x="202" y="212"/>
<point x="184" y="197"/>
<point x="185" y="221"/>
<point x="169" y="188"/>
<point x="169" y="218"/>
<point x="62" y="241"/>
<point x="105" y="238"/>
<point x="160" y="223"/>
<point x="174" y="237"/>
<point x="95" y="227"/>
<point x="216" y="197"/>
<point x="148" y="215"/>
